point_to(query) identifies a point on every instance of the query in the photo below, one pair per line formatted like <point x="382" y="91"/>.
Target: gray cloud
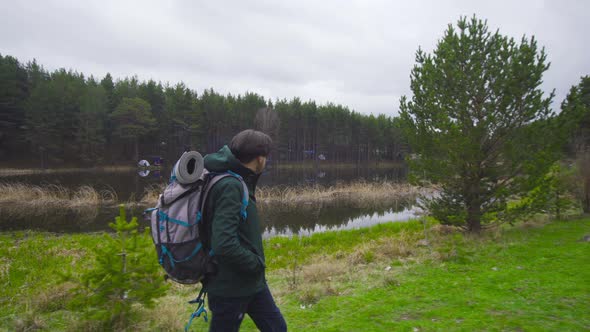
<point x="355" y="53"/>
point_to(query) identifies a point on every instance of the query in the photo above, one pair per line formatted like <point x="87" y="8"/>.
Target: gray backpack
<point x="178" y="230"/>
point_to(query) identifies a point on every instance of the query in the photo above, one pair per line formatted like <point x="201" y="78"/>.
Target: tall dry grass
<point x="28" y="196"/>
<point x="357" y="195"/>
<point x="337" y="165"/>
<point x="5" y="172"/>
<point x="151" y="194"/>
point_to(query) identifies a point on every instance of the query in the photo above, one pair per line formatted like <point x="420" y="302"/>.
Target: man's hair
<point x="249" y="144"/>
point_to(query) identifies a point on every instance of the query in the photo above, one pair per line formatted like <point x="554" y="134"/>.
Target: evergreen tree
<point x="109" y="88"/>
<point x="36" y="74"/>
<point x="478" y="122"/>
<point x="123" y="275"/>
<point x="153" y="93"/>
<point x="90" y="136"/>
<point x="52" y="116"/>
<point x="133" y="121"/>
<point x="575" y="114"/>
<point x="184" y="117"/>
<point x="40" y="122"/>
<point x="14" y="90"/>
<point x="575" y="118"/>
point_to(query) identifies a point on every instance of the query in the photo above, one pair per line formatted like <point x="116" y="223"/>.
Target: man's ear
<point x="260" y="160"/>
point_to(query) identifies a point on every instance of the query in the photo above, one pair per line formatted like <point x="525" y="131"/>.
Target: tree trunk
<point x="586" y="205"/>
<point x="474" y="218"/>
<point x="136" y="143"/>
<point x="557" y="205"/>
<point x="358" y="155"/>
<point x="43" y="154"/>
<point x="473" y="205"/>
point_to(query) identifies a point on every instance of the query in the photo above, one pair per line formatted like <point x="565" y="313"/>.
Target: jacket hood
<point x="224" y="160"/>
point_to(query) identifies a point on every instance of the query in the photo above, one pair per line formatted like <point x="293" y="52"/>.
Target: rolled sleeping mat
<point x="188" y="168"/>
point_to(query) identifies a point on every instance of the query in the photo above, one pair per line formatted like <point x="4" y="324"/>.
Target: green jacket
<point x="236" y="243"/>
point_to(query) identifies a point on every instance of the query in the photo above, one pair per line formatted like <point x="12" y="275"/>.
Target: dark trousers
<point x="228" y="312"/>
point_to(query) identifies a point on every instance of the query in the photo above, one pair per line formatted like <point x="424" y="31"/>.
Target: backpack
<point x="177" y="230"/>
<point x="179" y="233"/>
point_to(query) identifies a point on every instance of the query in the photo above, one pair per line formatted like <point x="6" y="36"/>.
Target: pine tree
<point x="133" y="120"/>
<point x="478" y="122"/>
<point x="125" y="273"/>
<point x="90" y="136"/>
<point x="14" y="90"/>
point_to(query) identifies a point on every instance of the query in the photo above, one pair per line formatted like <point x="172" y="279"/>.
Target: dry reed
<point x="338" y="165"/>
<point x="53" y="299"/>
<point x="318" y="272"/>
<point x="356" y="195"/>
<point x="151" y="194"/>
<point x="53" y="196"/>
<point x="5" y="172"/>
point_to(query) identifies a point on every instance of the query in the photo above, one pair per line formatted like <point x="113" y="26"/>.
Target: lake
<point x="130" y="186"/>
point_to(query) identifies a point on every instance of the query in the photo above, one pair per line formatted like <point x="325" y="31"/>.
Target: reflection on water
<point x="318" y="217"/>
<point x="276" y="220"/>
<point x="131" y="185"/>
<point x="61" y="220"/>
<point x="351" y="223"/>
<point x="285" y="223"/>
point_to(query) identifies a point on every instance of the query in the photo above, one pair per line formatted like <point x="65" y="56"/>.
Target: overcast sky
<point x="354" y="53"/>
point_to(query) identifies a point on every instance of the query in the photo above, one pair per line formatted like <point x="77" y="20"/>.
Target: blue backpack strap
<point x="200" y="310"/>
<point x="245" y="198"/>
<point x="173" y="174"/>
<point x="216" y="177"/>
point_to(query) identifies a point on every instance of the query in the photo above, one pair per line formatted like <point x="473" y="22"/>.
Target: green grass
<point x="281" y="252"/>
<point x="383" y="278"/>
<point x="525" y="280"/>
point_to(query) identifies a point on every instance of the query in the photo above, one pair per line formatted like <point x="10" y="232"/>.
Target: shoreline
<point x="8" y="172"/>
<point x="12" y="171"/>
<point x="359" y="194"/>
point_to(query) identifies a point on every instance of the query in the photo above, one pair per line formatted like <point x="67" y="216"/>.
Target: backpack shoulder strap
<point x="245" y="198"/>
<point x="215" y="178"/>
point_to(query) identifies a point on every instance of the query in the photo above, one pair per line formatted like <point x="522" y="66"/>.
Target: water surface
<point x="130" y="186"/>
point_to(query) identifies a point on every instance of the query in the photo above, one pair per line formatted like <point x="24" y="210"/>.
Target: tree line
<point x="59" y="118"/>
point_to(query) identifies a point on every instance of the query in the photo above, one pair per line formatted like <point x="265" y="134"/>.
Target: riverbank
<point x="362" y="194"/>
<point x="13" y="171"/>
<point x="20" y="196"/>
<point x="5" y="172"/>
<point x="358" y="194"/>
<point x="398" y="276"/>
<point x="285" y="209"/>
<point x="310" y="164"/>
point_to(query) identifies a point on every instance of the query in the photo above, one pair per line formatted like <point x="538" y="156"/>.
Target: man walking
<point x="239" y="286"/>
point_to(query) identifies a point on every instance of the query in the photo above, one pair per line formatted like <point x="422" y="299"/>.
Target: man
<point x="239" y="286"/>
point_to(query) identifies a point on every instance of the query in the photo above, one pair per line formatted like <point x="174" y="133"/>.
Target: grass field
<point x="390" y="277"/>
